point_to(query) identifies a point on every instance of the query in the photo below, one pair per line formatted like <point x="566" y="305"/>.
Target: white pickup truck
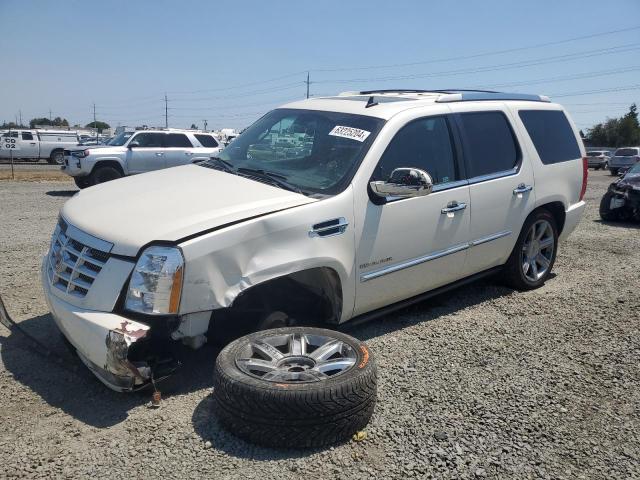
<point x="39" y="144"/>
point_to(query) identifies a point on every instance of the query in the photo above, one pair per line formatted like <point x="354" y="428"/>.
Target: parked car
<point x="623" y="158"/>
<point x="397" y="196"/>
<point x="41" y="144"/>
<point x="598" y="159"/>
<point x="137" y="152"/>
<point x="622" y="199"/>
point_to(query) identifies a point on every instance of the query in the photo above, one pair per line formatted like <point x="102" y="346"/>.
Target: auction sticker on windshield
<point x="349" y="132"/>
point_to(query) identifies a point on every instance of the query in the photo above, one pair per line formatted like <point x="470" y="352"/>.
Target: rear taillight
<point x="585" y="174"/>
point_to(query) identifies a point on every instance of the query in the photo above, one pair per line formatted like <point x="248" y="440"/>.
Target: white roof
<point x="388" y="103"/>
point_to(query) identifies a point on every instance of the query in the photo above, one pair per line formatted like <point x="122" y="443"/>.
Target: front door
<point x="28" y="145"/>
<point x="146" y="153"/>
<point x="408" y="246"/>
<point x="501" y="185"/>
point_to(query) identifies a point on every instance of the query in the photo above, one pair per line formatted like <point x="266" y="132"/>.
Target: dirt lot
<point x="482" y="382"/>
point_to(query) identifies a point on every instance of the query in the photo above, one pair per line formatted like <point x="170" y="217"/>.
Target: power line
<point x="504" y="66"/>
<point x="478" y="55"/>
<point x="623" y="88"/>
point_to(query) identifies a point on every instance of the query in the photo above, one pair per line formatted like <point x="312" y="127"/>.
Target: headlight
<point x="156" y="282"/>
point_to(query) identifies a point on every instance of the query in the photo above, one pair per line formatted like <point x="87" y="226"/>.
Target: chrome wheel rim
<point x="58" y="158"/>
<point x="295" y="357"/>
<point x="537" y="250"/>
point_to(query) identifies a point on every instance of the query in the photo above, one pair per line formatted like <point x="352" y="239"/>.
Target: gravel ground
<point x="483" y="382"/>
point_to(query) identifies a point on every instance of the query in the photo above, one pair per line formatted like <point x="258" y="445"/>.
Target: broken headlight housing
<point x="156" y="282"/>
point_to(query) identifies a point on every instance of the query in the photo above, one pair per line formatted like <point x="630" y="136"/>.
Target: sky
<point x="231" y="62"/>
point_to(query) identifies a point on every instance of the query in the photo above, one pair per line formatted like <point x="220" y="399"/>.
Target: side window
<point x="551" y="134"/>
<point x="488" y="142"/>
<point x="149" y="140"/>
<point x="207" y="141"/>
<point x="177" y="140"/>
<point x="27" y="136"/>
<point x="425" y="144"/>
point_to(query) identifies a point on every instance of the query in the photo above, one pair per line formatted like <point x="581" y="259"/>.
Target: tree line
<point x="56" y="122"/>
<point x="616" y="132"/>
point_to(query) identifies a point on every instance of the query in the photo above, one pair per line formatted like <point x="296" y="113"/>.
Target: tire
<point x="517" y="274"/>
<point x="606" y="213"/>
<point x="285" y="413"/>
<point x="82" y="182"/>
<point x="105" y="174"/>
<point x="613" y="172"/>
<point x="56" y="157"/>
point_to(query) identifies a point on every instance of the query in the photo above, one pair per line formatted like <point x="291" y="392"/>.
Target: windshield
<point x="315" y="151"/>
<point x="120" y="139"/>
<point x="626" y="152"/>
<point x="635" y="169"/>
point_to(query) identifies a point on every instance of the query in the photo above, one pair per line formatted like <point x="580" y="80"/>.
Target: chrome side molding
<point x="365" y="277"/>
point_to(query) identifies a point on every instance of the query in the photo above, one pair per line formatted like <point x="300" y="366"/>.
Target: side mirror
<point x="133" y="144"/>
<point x="404" y="183"/>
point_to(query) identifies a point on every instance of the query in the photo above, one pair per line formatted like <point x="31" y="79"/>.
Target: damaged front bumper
<point x="103" y="341"/>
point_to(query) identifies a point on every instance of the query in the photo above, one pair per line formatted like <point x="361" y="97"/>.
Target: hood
<point x="171" y="204"/>
<point x="632" y="179"/>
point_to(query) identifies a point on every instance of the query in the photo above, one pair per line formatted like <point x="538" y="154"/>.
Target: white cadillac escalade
<point x="323" y="211"/>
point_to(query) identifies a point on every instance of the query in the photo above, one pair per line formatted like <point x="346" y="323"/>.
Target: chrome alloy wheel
<point x="537" y="250"/>
<point x="295" y="357"/>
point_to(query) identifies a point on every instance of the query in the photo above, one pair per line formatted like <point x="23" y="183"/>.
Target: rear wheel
<point x="105" y="174"/>
<point x="534" y="254"/>
<point x="613" y="171"/>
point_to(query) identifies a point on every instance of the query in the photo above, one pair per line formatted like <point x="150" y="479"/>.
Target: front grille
<point x="73" y="266"/>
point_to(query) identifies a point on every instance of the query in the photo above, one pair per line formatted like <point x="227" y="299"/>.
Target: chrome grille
<point x="72" y="265"/>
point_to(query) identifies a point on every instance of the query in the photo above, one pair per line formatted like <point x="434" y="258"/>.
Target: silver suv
<point x="624" y="158"/>
<point x="138" y="152"/>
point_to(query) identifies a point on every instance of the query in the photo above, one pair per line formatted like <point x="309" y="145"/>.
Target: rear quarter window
<point x="626" y="152"/>
<point x="551" y="135"/>
<point x="207" y="141"/>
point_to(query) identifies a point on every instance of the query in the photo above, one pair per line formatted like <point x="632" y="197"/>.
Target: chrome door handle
<point x="522" y="188"/>
<point x="159" y="154"/>
<point x="32" y="143"/>
<point x="453" y="207"/>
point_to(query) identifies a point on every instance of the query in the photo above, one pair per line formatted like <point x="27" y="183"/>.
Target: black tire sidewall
<point x="606" y="213"/>
<point x="105" y="174"/>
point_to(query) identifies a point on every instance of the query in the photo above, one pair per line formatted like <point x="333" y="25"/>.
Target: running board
<point x="369" y="316"/>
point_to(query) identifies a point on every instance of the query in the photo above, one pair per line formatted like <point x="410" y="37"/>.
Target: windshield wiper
<point x="226" y="166"/>
<point x="273" y="178"/>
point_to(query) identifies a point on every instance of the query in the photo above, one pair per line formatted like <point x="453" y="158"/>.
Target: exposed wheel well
<point x="315" y="293"/>
<point x="108" y="163"/>
<point x="557" y="210"/>
<point x="310" y="297"/>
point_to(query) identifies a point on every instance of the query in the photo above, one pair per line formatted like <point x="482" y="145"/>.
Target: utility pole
<point x="205" y="125"/>
<point x="20" y="112"/>
<point x="166" y="112"/>
<point x="307" y="82"/>
<point x="94" y="121"/>
<point x="49" y="115"/>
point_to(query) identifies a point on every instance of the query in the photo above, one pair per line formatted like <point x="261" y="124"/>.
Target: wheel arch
<point x="293" y="290"/>
<point x="557" y="210"/>
<point x="108" y="162"/>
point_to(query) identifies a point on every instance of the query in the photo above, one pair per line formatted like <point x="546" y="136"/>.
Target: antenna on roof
<point x="371" y="102"/>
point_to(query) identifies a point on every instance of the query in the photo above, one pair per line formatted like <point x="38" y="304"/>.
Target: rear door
<point x="501" y="184"/>
<point x="146" y="152"/>
<point x="179" y="149"/>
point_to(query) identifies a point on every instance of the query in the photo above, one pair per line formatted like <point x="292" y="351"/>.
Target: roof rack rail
<point x="408" y="90"/>
<point x="474" y="96"/>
